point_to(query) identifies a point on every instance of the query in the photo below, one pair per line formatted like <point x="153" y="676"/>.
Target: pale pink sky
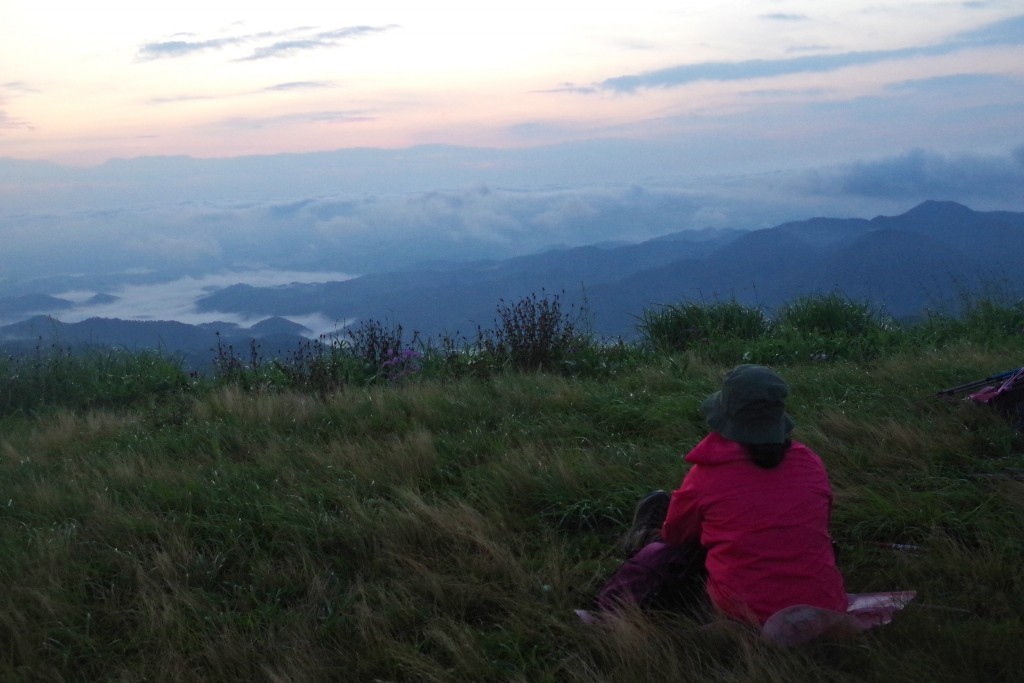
<point x="81" y="83"/>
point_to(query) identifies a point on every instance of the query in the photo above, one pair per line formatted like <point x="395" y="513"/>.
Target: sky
<point x="82" y="83"/>
<point x="203" y="137"/>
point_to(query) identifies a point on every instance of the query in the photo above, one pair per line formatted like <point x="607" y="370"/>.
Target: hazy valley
<point x="925" y="258"/>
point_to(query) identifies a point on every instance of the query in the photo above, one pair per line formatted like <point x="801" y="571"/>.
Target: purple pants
<point x="659" y="576"/>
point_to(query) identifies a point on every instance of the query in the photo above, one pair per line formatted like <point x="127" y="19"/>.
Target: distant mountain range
<point x="196" y="345"/>
<point x="903" y="264"/>
<point x="924" y="258"/>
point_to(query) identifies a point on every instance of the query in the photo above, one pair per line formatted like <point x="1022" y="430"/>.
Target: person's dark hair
<point x="767" y="455"/>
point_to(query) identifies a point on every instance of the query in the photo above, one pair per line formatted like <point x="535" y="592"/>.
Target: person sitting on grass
<point x="749" y="523"/>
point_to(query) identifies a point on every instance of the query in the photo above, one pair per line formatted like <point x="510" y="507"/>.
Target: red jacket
<point x="765" y="530"/>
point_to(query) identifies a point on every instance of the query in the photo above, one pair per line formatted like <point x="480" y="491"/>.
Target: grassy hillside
<point x="441" y="522"/>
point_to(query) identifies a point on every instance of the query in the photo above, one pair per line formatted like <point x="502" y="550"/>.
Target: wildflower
<point x="400" y="363"/>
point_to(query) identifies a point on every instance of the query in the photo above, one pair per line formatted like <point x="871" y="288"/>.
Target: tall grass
<point x="721" y="326"/>
<point x="443" y="527"/>
<point x="817" y="327"/>
<point x="982" y="321"/>
<point x="58" y="377"/>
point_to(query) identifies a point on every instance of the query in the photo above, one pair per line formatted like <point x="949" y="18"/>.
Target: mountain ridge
<point x="923" y="258"/>
<point x="763" y="267"/>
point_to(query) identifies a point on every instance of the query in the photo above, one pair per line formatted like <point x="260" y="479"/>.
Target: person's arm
<point x="683" y="520"/>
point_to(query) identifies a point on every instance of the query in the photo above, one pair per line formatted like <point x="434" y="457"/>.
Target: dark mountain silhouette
<point x="929" y="256"/>
<point x="276" y="326"/>
<point x="108" y="332"/>
<point x="195" y="344"/>
<point x="995" y="237"/>
<point x="826" y="232"/>
<point x="102" y="298"/>
<point x="27" y="304"/>
<point x="905" y="272"/>
<point x="459" y="297"/>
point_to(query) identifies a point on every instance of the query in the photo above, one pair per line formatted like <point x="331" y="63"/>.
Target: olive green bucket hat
<point x="750" y="407"/>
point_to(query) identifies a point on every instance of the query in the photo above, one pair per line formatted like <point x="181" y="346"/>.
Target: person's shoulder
<point x="715" y="449"/>
<point x="800" y="446"/>
<point x="802" y="451"/>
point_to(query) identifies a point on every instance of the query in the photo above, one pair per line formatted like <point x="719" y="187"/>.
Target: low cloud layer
<point x="174" y="299"/>
<point x="920" y="173"/>
<point x="185" y="216"/>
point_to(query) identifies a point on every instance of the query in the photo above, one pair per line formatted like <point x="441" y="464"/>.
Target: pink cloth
<point x="801" y="624"/>
<point x="877" y="609"/>
<point x="765" y="530"/>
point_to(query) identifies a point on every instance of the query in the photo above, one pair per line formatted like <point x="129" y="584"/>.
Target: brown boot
<point x="648" y="517"/>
